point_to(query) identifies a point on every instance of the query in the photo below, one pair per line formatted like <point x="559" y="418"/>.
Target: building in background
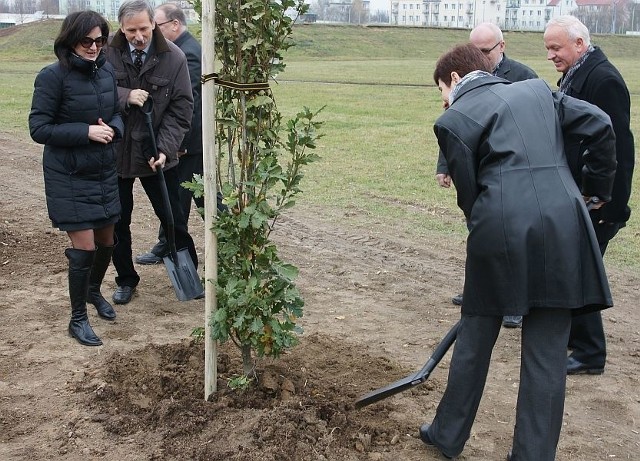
<point x="109" y="8"/>
<point x="22" y="11"/>
<point x="600" y="16"/>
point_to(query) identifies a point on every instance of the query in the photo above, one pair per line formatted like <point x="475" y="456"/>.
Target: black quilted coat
<point x="81" y="184"/>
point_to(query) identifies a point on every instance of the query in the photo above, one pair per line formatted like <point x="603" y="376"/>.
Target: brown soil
<point x="377" y="303"/>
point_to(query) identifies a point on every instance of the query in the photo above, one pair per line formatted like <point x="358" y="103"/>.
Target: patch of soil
<point x="377" y="302"/>
<point x="300" y="407"/>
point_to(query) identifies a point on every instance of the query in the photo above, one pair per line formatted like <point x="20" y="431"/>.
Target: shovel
<point x="415" y="378"/>
<point x="182" y="272"/>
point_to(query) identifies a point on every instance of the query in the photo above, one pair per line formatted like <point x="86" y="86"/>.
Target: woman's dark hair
<point x="461" y="59"/>
<point x="74" y="28"/>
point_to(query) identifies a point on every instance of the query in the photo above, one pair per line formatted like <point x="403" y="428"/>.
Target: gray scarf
<point x="565" y="81"/>
<point x="464" y="80"/>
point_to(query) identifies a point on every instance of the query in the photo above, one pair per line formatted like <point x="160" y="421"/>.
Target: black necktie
<point x="138" y="58"/>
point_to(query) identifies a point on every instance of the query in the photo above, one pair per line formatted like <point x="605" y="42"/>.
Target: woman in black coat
<point x="75" y="114"/>
<point x="531" y="248"/>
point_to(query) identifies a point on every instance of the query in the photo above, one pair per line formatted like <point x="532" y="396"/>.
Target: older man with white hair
<point x="587" y="74"/>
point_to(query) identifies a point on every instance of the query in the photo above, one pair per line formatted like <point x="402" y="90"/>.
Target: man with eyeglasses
<point x="162" y="74"/>
<point x="488" y="37"/>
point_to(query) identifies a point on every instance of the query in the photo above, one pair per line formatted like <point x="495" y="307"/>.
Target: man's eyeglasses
<point x="166" y="22"/>
<point x="489" y="50"/>
<point x="87" y="42"/>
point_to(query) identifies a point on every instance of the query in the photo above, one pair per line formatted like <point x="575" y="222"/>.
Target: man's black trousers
<point x="122" y="254"/>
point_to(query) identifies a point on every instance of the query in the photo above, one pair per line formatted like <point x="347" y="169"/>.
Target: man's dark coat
<point x="597" y="81"/>
<point x="166" y="77"/>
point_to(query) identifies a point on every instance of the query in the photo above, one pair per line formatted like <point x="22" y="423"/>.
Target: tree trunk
<point x="247" y="361"/>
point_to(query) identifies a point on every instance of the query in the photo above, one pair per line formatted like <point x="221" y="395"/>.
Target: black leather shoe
<point x="457" y="300"/>
<point x="424" y="436"/>
<point x="148" y="259"/>
<point x="575" y="367"/>
<point x="123" y="294"/>
<point x="512" y="321"/>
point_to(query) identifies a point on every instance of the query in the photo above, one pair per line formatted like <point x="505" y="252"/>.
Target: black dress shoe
<point x="575" y="367"/>
<point x="457" y="300"/>
<point x="424" y="436"/>
<point x="512" y="321"/>
<point x="123" y="294"/>
<point x="148" y="259"/>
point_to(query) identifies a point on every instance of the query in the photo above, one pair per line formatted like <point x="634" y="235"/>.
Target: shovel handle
<point x="147" y="111"/>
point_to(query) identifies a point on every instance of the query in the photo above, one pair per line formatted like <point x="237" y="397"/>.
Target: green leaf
<point x="259" y="101"/>
<point x="288" y="271"/>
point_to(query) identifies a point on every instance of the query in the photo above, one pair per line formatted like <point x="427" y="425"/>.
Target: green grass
<point x="378" y="150"/>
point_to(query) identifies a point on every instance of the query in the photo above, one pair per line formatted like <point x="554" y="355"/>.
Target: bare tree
<point x="23" y="8"/>
<point x="321" y="8"/>
<point x="77" y="5"/>
<point x="49" y="7"/>
<point x="379" y="17"/>
<point x="616" y="18"/>
<point x="359" y="14"/>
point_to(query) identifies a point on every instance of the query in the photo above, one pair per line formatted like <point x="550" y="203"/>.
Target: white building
<point x="466" y="14"/>
<point x="109" y="8"/>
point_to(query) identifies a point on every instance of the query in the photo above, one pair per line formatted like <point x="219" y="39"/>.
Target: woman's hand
<point x="101" y="132"/>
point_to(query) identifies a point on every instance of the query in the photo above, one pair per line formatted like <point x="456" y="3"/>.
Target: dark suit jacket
<point x="514" y="71"/>
<point x="597" y="81"/>
<point x="192" y="142"/>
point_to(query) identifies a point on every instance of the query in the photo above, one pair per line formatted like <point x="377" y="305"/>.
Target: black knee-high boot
<point x="99" y="268"/>
<point x="80" y="262"/>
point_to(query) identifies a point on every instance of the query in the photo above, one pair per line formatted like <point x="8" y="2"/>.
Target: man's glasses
<point x="87" y="42"/>
<point x="166" y="22"/>
<point x="489" y="50"/>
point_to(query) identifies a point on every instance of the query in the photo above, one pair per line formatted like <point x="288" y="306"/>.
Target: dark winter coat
<point x="514" y="71"/>
<point x="531" y="243"/>
<point x="192" y="143"/>
<point x="165" y="76"/>
<point x="509" y="69"/>
<point x="80" y="178"/>
<point x="597" y="81"/>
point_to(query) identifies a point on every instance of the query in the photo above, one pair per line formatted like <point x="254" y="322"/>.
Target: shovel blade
<point x="387" y="391"/>
<point x="183" y="275"/>
<point x="415" y="378"/>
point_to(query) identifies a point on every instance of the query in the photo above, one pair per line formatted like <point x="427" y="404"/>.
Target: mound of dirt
<point x="300" y="407"/>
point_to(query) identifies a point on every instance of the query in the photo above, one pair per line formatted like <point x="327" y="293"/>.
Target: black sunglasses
<point x="489" y="50"/>
<point x="86" y="42"/>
